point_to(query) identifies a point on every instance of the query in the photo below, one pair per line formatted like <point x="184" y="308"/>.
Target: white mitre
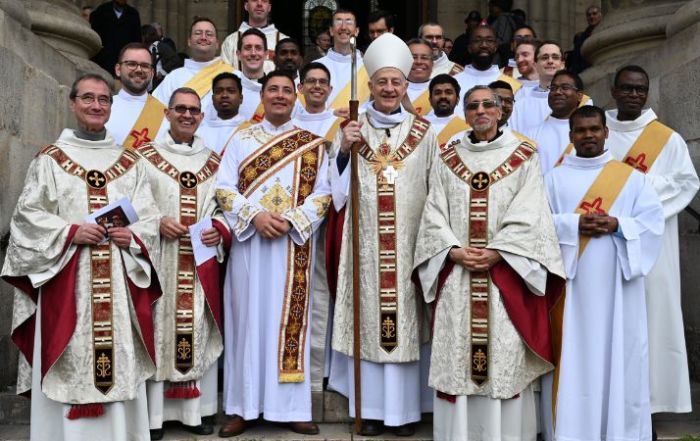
<point x="388" y="50"/>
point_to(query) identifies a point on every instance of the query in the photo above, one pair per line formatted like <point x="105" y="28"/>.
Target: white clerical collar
<point x="340" y="58"/>
<point x="168" y="143"/>
<point x="642" y="121"/>
<point x="474" y="72"/>
<point x="380" y="120"/>
<point x="512" y="63"/>
<point x="273" y="130"/>
<point x="196" y="66"/>
<point x="439" y="119"/>
<point x="506" y="138"/>
<point x="578" y="162"/>
<point x="249" y="84"/>
<point x="265" y="29"/>
<point x="418" y="87"/>
<point x="528" y="83"/>
<point x="303" y="115"/>
<point x="215" y="121"/>
<point x="69" y="139"/>
<point x="126" y="96"/>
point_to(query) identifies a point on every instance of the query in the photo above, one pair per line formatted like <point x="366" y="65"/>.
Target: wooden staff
<point x="355" y="216"/>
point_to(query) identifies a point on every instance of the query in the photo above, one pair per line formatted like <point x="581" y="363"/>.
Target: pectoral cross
<point x="390" y="174"/>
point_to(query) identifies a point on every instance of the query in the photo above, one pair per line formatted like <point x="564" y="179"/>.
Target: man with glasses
<point x="338" y="61"/>
<point x="136" y="116"/>
<point x="552" y="135"/>
<point x="444" y="94"/>
<point x="198" y="71"/>
<point x="258" y="18"/>
<point x="433" y="33"/>
<point x="188" y="337"/>
<point x="85" y="291"/>
<point x="485" y="249"/>
<point x="419" y="77"/>
<point x="640" y="140"/>
<point x="227" y="94"/>
<point x="532" y="106"/>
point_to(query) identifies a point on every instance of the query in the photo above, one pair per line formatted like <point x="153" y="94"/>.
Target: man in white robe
<point x="338" y="60"/>
<point x="486" y="257"/>
<point x="252" y="51"/>
<point x="258" y="18"/>
<point x="217" y="131"/>
<point x="397" y="151"/>
<point x="274" y="191"/>
<point x="525" y="61"/>
<point x="289" y="57"/>
<point x="136" y="116"/>
<point x="82" y="312"/>
<point x="188" y="316"/>
<point x="444" y="94"/>
<point x="635" y="131"/>
<point x="610" y="226"/>
<point x="552" y="135"/>
<point x="199" y="70"/>
<point x="433" y="33"/>
<point x="419" y="76"/>
<point x="315" y="116"/>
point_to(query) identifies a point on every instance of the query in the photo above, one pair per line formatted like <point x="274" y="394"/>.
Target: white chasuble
<point x="603" y="382"/>
<point x="281" y="170"/>
<point x="95" y="349"/>
<point x="664" y="157"/>
<point x="188" y="316"/>
<point x="486" y="195"/>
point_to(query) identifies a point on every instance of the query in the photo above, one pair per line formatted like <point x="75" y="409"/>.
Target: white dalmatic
<point x="603" y="389"/>
<point x="675" y="180"/>
<point x="126" y="110"/>
<point x="280" y="170"/>
<point x="552" y="138"/>
<point x="217" y="133"/>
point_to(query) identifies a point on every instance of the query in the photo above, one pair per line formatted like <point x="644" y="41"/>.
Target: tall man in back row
<point x="396" y="152"/>
<point x="640" y="140"/>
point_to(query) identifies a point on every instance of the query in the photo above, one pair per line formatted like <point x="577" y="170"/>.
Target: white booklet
<point x="202" y="253"/>
<point x="117" y="214"/>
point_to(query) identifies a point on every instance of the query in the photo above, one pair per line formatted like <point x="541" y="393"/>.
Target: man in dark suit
<point x="117" y="24"/>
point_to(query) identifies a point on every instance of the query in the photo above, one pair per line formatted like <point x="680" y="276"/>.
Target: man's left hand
<point x="211" y="237"/>
<point x="121" y="236"/>
<point x="481" y="259"/>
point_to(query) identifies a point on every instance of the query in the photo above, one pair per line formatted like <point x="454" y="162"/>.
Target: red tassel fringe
<point x="93" y="410"/>
<point x="182" y="391"/>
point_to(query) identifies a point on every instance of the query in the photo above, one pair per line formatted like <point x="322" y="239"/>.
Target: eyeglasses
<point x="88" y="98"/>
<point x="627" y="89"/>
<point x="316" y="81"/>
<point x="200" y="33"/>
<point x="563" y="87"/>
<point x="488" y="104"/>
<point x="480" y="41"/>
<point x="553" y="57"/>
<point x="182" y="109"/>
<point x="132" y="65"/>
<point x="344" y="21"/>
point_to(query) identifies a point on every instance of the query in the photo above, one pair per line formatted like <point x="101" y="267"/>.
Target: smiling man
<point x="433" y="33"/>
<point x="640" y="140"/>
<point x="252" y="51"/>
<point x="396" y="154"/>
<point x="444" y="94"/>
<point x="486" y="238"/>
<point x="227" y="95"/>
<point x="274" y="191"/>
<point x="188" y="333"/>
<point x="610" y="226"/>
<point x="419" y="77"/>
<point x="525" y="63"/>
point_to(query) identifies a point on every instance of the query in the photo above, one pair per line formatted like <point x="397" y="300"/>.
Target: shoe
<point x="157" y="434"/>
<point x="234" y="425"/>
<point x="304" y="427"/>
<point x="405" y="430"/>
<point x="203" y="429"/>
<point x="372" y="428"/>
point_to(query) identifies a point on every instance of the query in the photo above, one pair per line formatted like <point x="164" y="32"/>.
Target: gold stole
<point x="147" y="125"/>
<point x="422" y="103"/>
<point x="306" y="151"/>
<point x="185" y="276"/>
<point x="343" y="98"/>
<point x="601" y="195"/>
<point x="386" y="164"/>
<point x="480" y="281"/>
<point x="567" y="150"/>
<point x="100" y="261"/>
<point x="584" y="100"/>
<point x="201" y="82"/>
<point x="515" y="84"/>
<point x="648" y="146"/>
<point x="453" y="127"/>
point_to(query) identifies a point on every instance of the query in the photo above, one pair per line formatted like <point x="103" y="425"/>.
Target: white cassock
<point x="442" y="65"/>
<point x="471" y="77"/>
<point x="217" y="133"/>
<point x="528" y="83"/>
<point x="259" y="286"/>
<point x="230" y="45"/>
<point x="322" y="308"/>
<point x="207" y="340"/>
<point x="56" y="199"/>
<point x="531" y="108"/>
<point x="126" y="109"/>
<point x="517" y="225"/>
<point x="674" y="178"/>
<point x="394" y="383"/>
<point x="251" y="96"/>
<point x="603" y="388"/>
<point x="552" y="137"/>
<point x="340" y="66"/>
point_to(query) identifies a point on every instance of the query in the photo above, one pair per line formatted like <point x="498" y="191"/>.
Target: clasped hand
<point x="271" y="225"/>
<point x="475" y="259"/>
<point x="595" y="225"/>
<point x="172" y="229"/>
<point x="92" y="234"/>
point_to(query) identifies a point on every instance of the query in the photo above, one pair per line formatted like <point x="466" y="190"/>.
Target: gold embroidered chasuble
<point x="64" y="183"/>
<point x="484" y="195"/>
<point x="394" y="168"/>
<point x="188" y="340"/>
<point x="284" y="171"/>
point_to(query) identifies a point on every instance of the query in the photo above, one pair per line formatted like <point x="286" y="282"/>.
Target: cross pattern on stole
<point x="96" y="179"/>
<point x="390" y="174"/>
<point x="141" y="137"/>
<point x="188" y="180"/>
<point x="480" y="181"/>
<point x="638" y="162"/>
<point x="593" y="207"/>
